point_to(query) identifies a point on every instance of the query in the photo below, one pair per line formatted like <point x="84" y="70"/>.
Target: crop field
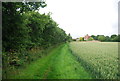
<point x="99" y="58"/>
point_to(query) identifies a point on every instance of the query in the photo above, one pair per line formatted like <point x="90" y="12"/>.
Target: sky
<point x="81" y="17"/>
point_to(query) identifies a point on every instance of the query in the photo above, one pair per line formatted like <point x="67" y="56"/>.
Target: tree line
<point x="112" y="38"/>
<point x="24" y="28"/>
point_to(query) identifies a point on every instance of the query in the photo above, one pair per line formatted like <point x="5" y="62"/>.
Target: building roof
<point x="87" y="37"/>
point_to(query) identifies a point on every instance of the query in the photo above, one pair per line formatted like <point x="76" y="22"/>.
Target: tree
<point x="90" y="39"/>
<point x="114" y="38"/>
<point x="81" y="39"/>
<point x="97" y="37"/>
<point x="94" y="37"/>
<point x="69" y="37"/>
<point x="36" y="24"/>
<point x="101" y="38"/>
<point x="107" y="38"/>
<point x="15" y="33"/>
<point x="118" y="37"/>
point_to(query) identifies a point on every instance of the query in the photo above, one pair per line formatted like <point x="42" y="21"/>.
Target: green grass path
<point x="59" y="64"/>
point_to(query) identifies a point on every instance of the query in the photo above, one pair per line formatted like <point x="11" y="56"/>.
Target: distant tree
<point x="93" y="36"/>
<point x="119" y="38"/>
<point x="114" y="35"/>
<point x="101" y="38"/>
<point x="107" y="38"/>
<point x="69" y="37"/>
<point x="81" y="39"/>
<point x="114" y="38"/>
<point x="97" y="37"/>
<point x="90" y="39"/>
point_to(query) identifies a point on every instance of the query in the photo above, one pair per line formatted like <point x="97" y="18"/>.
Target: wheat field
<point x="99" y="58"/>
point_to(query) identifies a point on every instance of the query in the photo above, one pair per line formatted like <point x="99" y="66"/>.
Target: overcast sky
<point x="81" y="17"/>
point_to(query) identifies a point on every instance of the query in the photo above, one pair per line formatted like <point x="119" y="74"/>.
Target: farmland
<point x="99" y="58"/>
<point x="35" y="46"/>
<point x="75" y="60"/>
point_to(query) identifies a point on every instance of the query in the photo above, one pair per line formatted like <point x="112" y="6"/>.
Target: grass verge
<point x="58" y="64"/>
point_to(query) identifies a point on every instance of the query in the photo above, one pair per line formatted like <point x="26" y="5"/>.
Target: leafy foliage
<point x="15" y="31"/>
<point x="101" y="38"/>
<point x="112" y="38"/>
<point x="90" y="39"/>
<point x="24" y="29"/>
<point x="81" y="39"/>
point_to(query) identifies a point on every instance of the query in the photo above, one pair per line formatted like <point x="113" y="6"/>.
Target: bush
<point x="101" y="38"/>
<point x="81" y="39"/>
<point x="90" y="39"/>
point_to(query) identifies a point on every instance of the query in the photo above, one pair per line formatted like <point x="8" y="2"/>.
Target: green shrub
<point x="90" y="39"/>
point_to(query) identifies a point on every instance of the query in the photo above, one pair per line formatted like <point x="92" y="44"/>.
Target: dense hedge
<point x="24" y="29"/>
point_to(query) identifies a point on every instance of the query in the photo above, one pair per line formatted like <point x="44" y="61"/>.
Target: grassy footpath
<point x="58" y="64"/>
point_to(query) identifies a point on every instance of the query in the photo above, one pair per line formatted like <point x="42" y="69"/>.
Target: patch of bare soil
<point x="91" y="41"/>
